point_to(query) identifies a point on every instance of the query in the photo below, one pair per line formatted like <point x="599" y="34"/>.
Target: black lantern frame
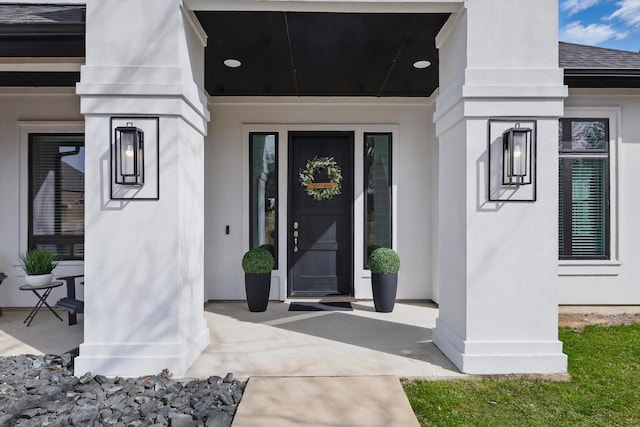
<point x="504" y="183"/>
<point x="128" y="155"/>
<point x="516" y="156"/>
<point x="139" y="179"/>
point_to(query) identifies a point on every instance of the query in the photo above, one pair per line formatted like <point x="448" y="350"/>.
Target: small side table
<point x="42" y="299"/>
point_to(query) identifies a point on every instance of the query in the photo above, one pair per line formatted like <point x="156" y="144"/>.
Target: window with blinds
<point x="56" y="194"/>
<point x="583" y="176"/>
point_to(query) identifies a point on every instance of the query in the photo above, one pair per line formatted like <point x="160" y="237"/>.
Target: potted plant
<point x="257" y="264"/>
<point x="38" y="266"/>
<point x="384" y="264"/>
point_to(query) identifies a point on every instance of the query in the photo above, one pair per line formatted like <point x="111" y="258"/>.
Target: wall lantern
<point x="516" y="156"/>
<point x="129" y="155"/>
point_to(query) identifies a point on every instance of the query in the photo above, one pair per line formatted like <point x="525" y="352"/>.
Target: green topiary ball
<point x="384" y="261"/>
<point x="258" y="260"/>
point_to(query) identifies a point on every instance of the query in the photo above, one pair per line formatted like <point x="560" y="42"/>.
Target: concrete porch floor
<point x="45" y="335"/>
<point x="277" y="342"/>
<point x="361" y="342"/>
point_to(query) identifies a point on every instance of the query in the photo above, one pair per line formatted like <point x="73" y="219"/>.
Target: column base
<point x="500" y="357"/>
<point x="139" y="359"/>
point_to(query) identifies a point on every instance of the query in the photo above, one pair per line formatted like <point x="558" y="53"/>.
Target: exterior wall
<point x="22" y="111"/>
<point x="614" y="281"/>
<point x="498" y="260"/>
<point x="227" y="184"/>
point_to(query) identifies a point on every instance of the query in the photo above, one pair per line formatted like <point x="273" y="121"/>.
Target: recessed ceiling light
<point x="232" y="63"/>
<point x="421" y="64"/>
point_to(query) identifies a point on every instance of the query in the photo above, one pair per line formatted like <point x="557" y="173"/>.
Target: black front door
<point x="320" y="228"/>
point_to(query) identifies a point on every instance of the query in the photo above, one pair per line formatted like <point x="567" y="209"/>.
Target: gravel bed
<point x="42" y="391"/>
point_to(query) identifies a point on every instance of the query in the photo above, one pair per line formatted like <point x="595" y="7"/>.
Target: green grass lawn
<point x="604" y="389"/>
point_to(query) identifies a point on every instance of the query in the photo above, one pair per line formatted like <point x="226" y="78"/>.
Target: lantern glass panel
<point x="128" y="153"/>
<point x="129" y="156"/>
<point x="516" y="156"/>
<point x="519" y="154"/>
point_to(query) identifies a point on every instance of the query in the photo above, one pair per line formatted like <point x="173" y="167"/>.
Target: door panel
<point x="320" y="233"/>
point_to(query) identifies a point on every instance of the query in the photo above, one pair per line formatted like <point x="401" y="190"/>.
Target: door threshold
<point x="317" y="298"/>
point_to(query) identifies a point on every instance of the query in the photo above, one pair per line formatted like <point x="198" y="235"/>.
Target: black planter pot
<point x="257" y="286"/>
<point x="384" y="288"/>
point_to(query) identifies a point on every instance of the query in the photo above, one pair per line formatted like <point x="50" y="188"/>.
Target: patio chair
<point x="70" y="303"/>
<point x="2" y="277"/>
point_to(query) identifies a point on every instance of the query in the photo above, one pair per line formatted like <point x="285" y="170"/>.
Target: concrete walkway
<point x="324" y="402"/>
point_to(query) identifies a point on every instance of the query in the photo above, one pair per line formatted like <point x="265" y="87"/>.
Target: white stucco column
<point x="498" y="260"/>
<point x="144" y="308"/>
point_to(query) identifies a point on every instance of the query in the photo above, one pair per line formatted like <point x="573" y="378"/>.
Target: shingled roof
<point x="597" y="67"/>
<point x="581" y="56"/>
<point x="42" y="14"/>
<point x="39" y="30"/>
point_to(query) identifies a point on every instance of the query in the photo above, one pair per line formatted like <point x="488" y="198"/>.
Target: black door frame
<point x="293" y="180"/>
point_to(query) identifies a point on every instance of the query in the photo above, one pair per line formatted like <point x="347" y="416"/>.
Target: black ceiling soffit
<point x="320" y="54"/>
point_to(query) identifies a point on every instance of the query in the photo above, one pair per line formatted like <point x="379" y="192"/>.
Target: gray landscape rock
<point x="181" y="420"/>
<point x="41" y="390"/>
<point x="219" y="419"/>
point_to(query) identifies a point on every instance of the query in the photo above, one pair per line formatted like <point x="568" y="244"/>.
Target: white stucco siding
<point x="226" y="188"/>
<point x="614" y="281"/>
<point x="155" y="33"/>
<point x="23" y="111"/>
<point x="518" y="287"/>
<point x="451" y="228"/>
<point x="503" y="23"/>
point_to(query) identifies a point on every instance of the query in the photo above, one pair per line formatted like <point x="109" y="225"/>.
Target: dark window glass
<point x="583" y="174"/>
<point x="583" y="135"/>
<point x="56" y="194"/>
<point x="263" y="191"/>
<point x="377" y="187"/>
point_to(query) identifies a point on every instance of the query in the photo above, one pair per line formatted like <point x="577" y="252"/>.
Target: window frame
<point x="23" y="129"/>
<point x="251" y="193"/>
<point x="613" y="265"/>
<point x="33" y="240"/>
<point x="567" y="155"/>
<point x="365" y="224"/>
